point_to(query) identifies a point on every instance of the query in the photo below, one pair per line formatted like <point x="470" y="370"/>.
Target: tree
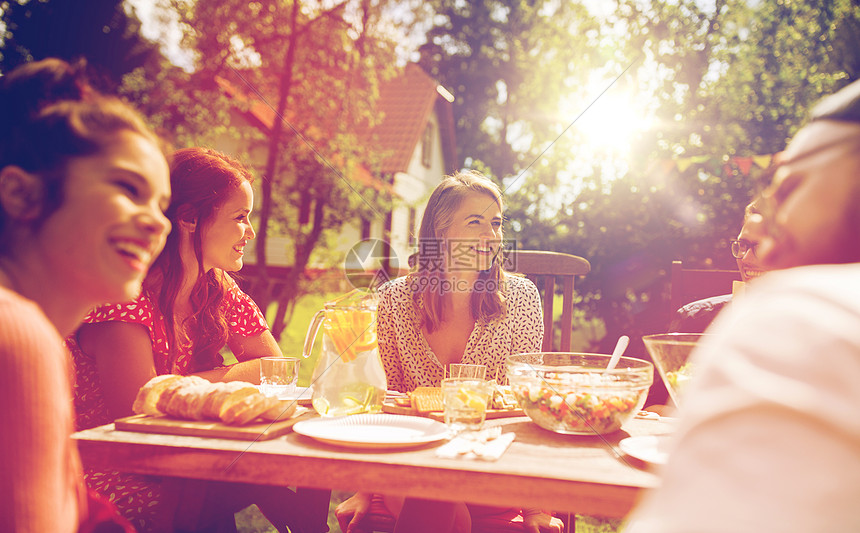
<point x="103" y="33"/>
<point x="735" y="79"/>
<point x="727" y="79"/>
<point x="508" y="63"/>
<point x="317" y="67"/>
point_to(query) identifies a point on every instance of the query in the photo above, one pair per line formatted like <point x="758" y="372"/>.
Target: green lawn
<point x="293" y="338"/>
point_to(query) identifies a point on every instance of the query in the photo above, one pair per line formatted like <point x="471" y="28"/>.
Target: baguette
<point x="170" y="402"/>
<point x="189" y="400"/>
<point x="147" y="396"/>
<point x="194" y="398"/>
<point x="228" y="391"/>
<point x="282" y="411"/>
<point x="248" y="408"/>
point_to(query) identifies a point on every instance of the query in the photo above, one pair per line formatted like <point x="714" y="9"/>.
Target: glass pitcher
<point x="348" y="378"/>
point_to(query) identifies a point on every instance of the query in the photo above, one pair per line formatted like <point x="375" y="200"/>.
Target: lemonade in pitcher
<point x="349" y="378"/>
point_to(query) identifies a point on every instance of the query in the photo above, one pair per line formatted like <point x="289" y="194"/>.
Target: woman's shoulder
<point x="518" y="284"/>
<point x="226" y="279"/>
<point x="23" y="319"/>
<point x="13" y="304"/>
<point x="243" y="314"/>
<point x="230" y="286"/>
<point x="141" y="310"/>
<point x="232" y="290"/>
<point x="397" y="288"/>
<point x="521" y="295"/>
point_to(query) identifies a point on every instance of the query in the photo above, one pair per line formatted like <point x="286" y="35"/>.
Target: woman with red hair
<point x="189" y="310"/>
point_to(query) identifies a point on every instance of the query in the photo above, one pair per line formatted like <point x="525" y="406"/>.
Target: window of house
<point x="427" y="145"/>
<point x="411" y="231"/>
<point x="365" y="229"/>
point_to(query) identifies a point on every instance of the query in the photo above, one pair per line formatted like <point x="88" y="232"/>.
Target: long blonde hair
<point x="427" y="278"/>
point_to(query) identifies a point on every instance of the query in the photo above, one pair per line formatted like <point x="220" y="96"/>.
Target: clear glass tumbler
<point x="465" y="401"/>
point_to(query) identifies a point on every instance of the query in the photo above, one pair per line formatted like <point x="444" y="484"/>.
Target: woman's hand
<point x="351" y="511"/>
<point x="537" y="521"/>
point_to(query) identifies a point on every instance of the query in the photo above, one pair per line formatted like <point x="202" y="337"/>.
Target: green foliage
<point x="729" y="79"/>
<point x="102" y="33"/>
<point x="508" y="63"/>
<point x="591" y="524"/>
<point x="293" y="338"/>
<point x="310" y="72"/>
<point x="251" y="520"/>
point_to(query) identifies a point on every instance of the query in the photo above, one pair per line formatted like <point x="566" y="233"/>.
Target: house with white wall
<point x="417" y="136"/>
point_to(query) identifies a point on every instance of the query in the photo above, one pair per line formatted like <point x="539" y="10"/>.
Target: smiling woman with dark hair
<point x="83" y="185"/>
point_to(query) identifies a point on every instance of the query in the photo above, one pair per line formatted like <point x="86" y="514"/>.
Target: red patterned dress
<point x="139" y="497"/>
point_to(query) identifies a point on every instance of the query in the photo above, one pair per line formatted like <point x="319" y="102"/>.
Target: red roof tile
<point x="406" y="103"/>
<point x="262" y="116"/>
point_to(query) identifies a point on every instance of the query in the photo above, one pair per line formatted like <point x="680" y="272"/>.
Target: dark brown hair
<point x="201" y="180"/>
<point x="51" y="115"/>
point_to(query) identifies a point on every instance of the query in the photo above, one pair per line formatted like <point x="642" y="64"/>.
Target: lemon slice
<point x="472" y="400"/>
<point x="321" y="405"/>
<point x="352" y="405"/>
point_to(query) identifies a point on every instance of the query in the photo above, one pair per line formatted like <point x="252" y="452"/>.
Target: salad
<point x="601" y="408"/>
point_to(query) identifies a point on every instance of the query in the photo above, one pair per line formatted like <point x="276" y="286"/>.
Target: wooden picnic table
<point x="577" y="474"/>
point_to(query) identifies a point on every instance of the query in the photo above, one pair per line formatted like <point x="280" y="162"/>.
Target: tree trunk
<point x="303" y="248"/>
<point x="264" y="287"/>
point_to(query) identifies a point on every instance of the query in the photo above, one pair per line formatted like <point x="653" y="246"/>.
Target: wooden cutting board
<point x="394" y="409"/>
<point x="208" y="428"/>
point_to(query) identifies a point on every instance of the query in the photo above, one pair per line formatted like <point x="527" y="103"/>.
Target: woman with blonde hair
<point x="457" y="306"/>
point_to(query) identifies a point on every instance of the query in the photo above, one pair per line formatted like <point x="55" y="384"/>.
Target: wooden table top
<point x="582" y="474"/>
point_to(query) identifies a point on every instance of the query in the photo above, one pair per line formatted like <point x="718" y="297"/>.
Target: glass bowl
<point x="671" y="353"/>
<point x="571" y="393"/>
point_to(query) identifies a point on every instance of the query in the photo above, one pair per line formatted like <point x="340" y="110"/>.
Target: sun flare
<point x="612" y="122"/>
<point x="609" y="119"/>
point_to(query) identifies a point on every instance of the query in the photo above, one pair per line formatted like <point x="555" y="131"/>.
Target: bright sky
<point x="167" y="35"/>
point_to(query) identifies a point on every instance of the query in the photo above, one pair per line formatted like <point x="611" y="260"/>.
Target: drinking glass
<point x="465" y="401"/>
<point x="460" y="370"/>
<point x="671" y="355"/>
<point x="278" y="375"/>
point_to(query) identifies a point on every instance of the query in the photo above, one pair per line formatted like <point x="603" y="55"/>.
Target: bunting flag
<point x="684" y="164"/>
<point x="713" y="165"/>
<point x="744" y="164"/>
<point x="762" y="161"/>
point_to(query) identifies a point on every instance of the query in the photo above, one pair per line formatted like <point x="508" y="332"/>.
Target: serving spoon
<point x="620" y="346"/>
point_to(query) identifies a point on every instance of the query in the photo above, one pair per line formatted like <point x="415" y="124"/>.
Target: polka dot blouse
<point x="409" y="361"/>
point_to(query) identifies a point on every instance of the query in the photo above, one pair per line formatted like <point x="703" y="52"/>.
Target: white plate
<point x="649" y="448"/>
<point x="373" y="431"/>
